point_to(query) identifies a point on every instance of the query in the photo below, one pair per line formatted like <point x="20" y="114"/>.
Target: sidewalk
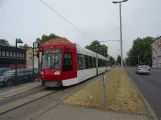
<point x="66" y="112"/>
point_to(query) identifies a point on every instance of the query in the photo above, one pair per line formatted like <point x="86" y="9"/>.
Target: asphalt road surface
<point x="149" y="86"/>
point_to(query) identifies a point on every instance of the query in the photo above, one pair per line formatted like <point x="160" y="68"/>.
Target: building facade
<point x="8" y="55"/>
<point x="156" y="52"/>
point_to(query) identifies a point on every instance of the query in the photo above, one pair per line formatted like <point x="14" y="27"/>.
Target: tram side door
<point x="69" y="66"/>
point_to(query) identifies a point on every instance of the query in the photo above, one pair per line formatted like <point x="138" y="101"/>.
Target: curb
<point x="149" y="111"/>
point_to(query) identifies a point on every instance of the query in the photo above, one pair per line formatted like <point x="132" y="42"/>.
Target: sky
<point x="96" y="19"/>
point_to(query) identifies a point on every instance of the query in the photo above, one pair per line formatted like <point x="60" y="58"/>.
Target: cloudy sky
<point x="98" y="19"/>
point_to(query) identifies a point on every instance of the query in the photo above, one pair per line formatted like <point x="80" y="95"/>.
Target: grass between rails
<point x="121" y="96"/>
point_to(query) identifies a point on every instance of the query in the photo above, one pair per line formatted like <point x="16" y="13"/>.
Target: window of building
<point x="14" y="54"/>
<point x="7" y="54"/>
<point x="23" y="55"/>
<point x="10" y="54"/>
<point x="80" y="60"/>
<point x="18" y="54"/>
<point x="3" y="53"/>
<point x="86" y="62"/>
<point x="67" y="66"/>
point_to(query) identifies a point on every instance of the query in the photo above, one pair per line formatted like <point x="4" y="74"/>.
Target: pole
<point x="121" y="37"/>
<point x="33" y="61"/>
<point x="104" y="90"/>
<point x="38" y="64"/>
<point x="16" y="63"/>
<point x="138" y="60"/>
<point x="96" y="60"/>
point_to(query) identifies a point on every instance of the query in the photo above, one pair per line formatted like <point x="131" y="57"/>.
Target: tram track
<point x="10" y="103"/>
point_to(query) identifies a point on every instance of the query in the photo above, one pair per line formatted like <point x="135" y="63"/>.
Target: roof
<point x="156" y="38"/>
<point x="57" y="41"/>
<point x="11" y="46"/>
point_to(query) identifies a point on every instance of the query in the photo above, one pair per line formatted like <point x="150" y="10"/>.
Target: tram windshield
<point x="51" y="58"/>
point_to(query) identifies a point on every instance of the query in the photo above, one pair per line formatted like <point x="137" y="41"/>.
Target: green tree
<point x="45" y="38"/>
<point x="112" y="60"/>
<point x="3" y="41"/>
<point x="141" y="47"/>
<point x="118" y="61"/>
<point x="95" y="46"/>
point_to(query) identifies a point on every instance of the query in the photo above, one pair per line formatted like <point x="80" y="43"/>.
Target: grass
<point x="121" y="96"/>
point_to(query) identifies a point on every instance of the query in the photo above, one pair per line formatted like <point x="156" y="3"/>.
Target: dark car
<point x="3" y="70"/>
<point x="9" y="78"/>
<point x="28" y="73"/>
<point x="35" y="72"/>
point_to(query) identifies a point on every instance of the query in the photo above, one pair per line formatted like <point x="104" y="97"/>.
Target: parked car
<point x="28" y="73"/>
<point x="3" y="70"/>
<point x="8" y="78"/>
<point x="35" y="72"/>
<point x="142" y="69"/>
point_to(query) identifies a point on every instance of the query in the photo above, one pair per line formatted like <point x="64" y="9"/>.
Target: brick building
<point x="156" y="52"/>
<point x="8" y="55"/>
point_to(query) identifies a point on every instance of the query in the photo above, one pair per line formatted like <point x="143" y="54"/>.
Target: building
<point x="8" y="55"/>
<point x="156" y="52"/>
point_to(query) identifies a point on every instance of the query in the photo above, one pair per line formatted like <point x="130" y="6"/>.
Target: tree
<point x="118" y="61"/>
<point x="95" y="46"/>
<point x="112" y="60"/>
<point x="3" y="41"/>
<point x="126" y="61"/>
<point x="141" y="49"/>
<point x="45" y="38"/>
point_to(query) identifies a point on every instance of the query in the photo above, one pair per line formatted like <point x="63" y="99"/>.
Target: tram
<point x="69" y="64"/>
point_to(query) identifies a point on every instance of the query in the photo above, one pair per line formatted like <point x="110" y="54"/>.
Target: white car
<point x="142" y="69"/>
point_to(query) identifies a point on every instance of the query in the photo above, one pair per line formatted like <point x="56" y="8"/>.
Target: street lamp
<point x="115" y="2"/>
<point x="18" y="40"/>
<point x="97" y="59"/>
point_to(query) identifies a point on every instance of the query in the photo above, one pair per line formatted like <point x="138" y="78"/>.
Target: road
<point x="149" y="86"/>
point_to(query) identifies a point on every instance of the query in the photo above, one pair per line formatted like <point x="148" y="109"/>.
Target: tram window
<point x="86" y="62"/>
<point x="90" y="62"/>
<point x="99" y="61"/>
<point x="103" y="61"/>
<point x="67" y="65"/>
<point x="94" y="62"/>
<point x="80" y="61"/>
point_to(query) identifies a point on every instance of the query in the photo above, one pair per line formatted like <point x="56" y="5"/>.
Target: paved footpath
<point x="66" y="112"/>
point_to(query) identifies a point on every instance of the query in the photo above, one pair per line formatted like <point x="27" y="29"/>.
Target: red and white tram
<point x="69" y="64"/>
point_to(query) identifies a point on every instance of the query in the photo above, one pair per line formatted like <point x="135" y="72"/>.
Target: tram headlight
<point x="57" y="73"/>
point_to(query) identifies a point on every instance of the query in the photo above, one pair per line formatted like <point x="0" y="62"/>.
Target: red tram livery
<point x="69" y="64"/>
